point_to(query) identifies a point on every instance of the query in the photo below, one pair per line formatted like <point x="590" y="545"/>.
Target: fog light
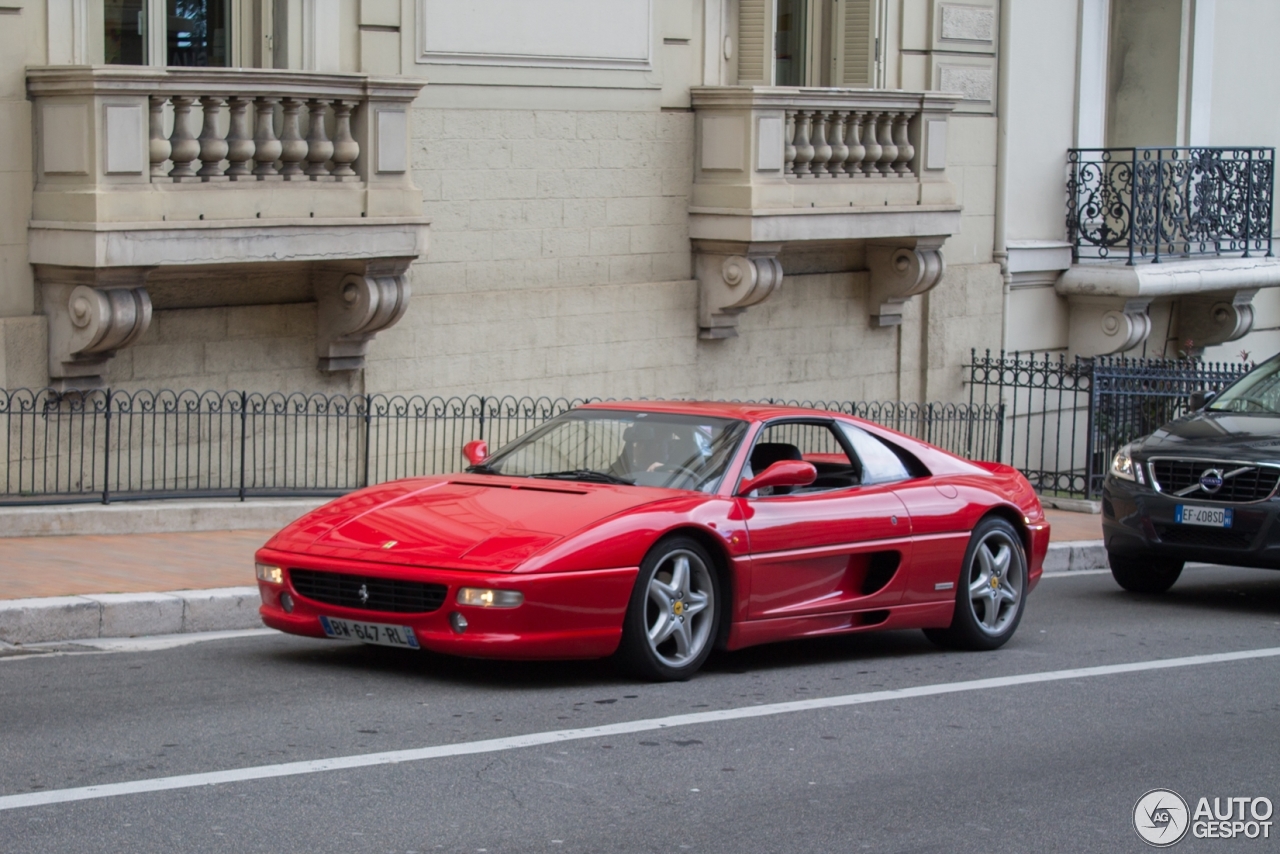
<point x="270" y="574"/>
<point x="458" y="622"/>
<point x="286" y="602"/>
<point x="485" y="598"/>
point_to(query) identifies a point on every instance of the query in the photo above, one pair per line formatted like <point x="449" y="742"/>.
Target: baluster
<point x="293" y="147"/>
<point x="319" y="146"/>
<point x="183" y="146"/>
<point x="266" y="147"/>
<point x="345" y="149"/>
<point x="790" y="167"/>
<point x="888" y="151"/>
<point x="804" y="151"/>
<point x="821" y="148"/>
<point x="213" y="148"/>
<point x="240" y="147"/>
<point x="857" y="151"/>
<point x="159" y="146"/>
<point x="872" y="154"/>
<point x="906" y="151"/>
<point x="839" y="151"/>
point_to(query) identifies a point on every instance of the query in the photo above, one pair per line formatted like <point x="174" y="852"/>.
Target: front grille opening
<point x="368" y="593"/>
<point x="1256" y="483"/>
<point x="1187" y="535"/>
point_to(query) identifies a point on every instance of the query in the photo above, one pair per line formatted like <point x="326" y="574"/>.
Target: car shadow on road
<point x="1206" y="589"/>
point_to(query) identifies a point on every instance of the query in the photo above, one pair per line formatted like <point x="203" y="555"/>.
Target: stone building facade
<point x="812" y="199"/>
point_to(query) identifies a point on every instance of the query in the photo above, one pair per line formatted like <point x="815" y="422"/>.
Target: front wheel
<point x="992" y="590"/>
<point x="674" y="609"/>
<point x="1144" y="575"/>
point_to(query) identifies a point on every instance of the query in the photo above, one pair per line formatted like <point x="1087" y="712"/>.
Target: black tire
<point x="995" y="551"/>
<point x="686" y="635"/>
<point x="1144" y="574"/>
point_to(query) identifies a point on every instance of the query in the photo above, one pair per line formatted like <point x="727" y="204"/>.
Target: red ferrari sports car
<point x="659" y="531"/>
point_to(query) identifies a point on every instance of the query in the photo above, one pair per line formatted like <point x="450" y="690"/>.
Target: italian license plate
<point x="375" y="633"/>
<point x="1208" y="517"/>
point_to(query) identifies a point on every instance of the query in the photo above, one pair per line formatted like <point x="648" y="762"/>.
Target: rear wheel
<point x="992" y="590"/>
<point x="1144" y="574"/>
<point x="675" y="606"/>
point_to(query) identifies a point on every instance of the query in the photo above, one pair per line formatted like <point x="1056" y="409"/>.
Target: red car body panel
<point x="847" y="560"/>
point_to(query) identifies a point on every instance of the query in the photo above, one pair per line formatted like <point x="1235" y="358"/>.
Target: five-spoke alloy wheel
<point x="671" y="621"/>
<point x="992" y="589"/>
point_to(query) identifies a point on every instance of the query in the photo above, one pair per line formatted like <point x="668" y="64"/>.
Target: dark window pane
<point x="789" y="49"/>
<point x="199" y="33"/>
<point x="125" y="31"/>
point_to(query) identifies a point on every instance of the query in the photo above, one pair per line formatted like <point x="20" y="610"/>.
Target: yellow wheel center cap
<point x="678" y="608"/>
<point x="995" y="582"/>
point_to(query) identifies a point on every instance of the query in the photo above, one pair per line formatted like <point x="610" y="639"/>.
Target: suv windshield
<point x="1257" y="391"/>
<point x="643" y="448"/>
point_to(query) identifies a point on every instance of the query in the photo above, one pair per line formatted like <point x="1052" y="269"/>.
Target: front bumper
<point x="1137" y="521"/>
<point x="564" y="615"/>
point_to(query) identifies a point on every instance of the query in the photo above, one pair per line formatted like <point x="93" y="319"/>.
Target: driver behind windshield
<point x="657" y="448"/>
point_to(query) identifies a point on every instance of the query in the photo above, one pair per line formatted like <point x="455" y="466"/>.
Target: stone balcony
<point x="142" y="173"/>
<point x="789" y="169"/>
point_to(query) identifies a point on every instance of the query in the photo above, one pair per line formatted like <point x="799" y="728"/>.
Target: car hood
<point x="1222" y="435"/>
<point x="469" y="522"/>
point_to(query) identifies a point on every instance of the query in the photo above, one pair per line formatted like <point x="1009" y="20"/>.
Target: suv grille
<point x="380" y="594"/>
<point x="1255" y="483"/>
<point x="1214" y="538"/>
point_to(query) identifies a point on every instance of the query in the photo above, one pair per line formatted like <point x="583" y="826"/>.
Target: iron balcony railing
<point x="106" y="445"/>
<point x="1159" y="203"/>
<point x="1066" y="418"/>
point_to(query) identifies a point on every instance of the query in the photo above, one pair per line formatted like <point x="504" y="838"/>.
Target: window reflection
<point x="789" y="50"/>
<point x="198" y="31"/>
<point x="125" y="31"/>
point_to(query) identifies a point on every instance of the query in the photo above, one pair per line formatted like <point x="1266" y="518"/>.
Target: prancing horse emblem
<point x="363" y="593"/>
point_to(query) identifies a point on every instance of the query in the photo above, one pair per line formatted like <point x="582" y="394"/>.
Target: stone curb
<point x="153" y="517"/>
<point x="1074" y="556"/>
<point x="115" y="615"/>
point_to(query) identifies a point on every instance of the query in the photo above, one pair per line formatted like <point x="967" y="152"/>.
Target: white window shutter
<point x="755" y="37"/>
<point x="855" y="39"/>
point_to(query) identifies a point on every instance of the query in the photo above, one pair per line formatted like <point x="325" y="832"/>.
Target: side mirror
<point x="781" y="473"/>
<point x="1200" y="399"/>
<point x="476" y="451"/>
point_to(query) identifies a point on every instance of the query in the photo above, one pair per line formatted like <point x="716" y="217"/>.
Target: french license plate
<point x="375" y="633"/>
<point x="1208" y="517"/>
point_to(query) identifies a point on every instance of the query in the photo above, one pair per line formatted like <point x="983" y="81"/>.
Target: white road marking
<point x="492" y="745"/>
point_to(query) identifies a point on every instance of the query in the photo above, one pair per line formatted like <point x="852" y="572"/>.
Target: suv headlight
<point x="1124" y="466"/>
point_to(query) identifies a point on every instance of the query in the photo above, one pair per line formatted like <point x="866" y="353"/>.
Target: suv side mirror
<point x="781" y="473"/>
<point x="1200" y="399"/>
<point x="476" y="451"/>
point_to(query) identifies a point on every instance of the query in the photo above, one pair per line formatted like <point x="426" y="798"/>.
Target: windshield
<point x="1257" y="391"/>
<point x="643" y="448"/>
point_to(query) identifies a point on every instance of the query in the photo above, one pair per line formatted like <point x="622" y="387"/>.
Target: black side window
<point x="814" y="443"/>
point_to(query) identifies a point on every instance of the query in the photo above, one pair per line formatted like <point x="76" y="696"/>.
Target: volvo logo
<point x="363" y="593"/>
<point x="1211" y="480"/>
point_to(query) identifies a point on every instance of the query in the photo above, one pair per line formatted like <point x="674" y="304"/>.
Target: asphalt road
<point x="1018" y="765"/>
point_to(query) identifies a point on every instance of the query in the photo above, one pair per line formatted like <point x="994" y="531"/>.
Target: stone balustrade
<point x="782" y="169"/>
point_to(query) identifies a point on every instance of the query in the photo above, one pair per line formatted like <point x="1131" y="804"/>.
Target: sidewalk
<point x="219" y="565"/>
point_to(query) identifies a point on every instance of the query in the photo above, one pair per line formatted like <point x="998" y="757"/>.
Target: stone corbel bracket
<point x="731" y="278"/>
<point x="899" y="273"/>
<point x="354" y="307"/>
<point x="1103" y="326"/>
<point x="1215" y="318"/>
<point x="92" y="314"/>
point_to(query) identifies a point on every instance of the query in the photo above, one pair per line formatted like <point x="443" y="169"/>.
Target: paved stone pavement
<point x="33" y="567"/>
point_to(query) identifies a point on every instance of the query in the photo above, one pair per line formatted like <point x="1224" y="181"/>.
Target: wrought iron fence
<point x="108" y="445"/>
<point x="1162" y="202"/>
<point x="1066" y="418"/>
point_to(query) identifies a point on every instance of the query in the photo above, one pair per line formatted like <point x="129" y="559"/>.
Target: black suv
<point x="1201" y="488"/>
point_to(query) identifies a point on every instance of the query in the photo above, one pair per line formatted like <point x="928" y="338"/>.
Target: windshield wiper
<point x="482" y="468"/>
<point x="587" y="475"/>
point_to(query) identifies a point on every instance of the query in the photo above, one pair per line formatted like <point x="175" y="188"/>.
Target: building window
<point x="809" y="42"/>
<point x="125" y="24"/>
<point x="196" y="32"/>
